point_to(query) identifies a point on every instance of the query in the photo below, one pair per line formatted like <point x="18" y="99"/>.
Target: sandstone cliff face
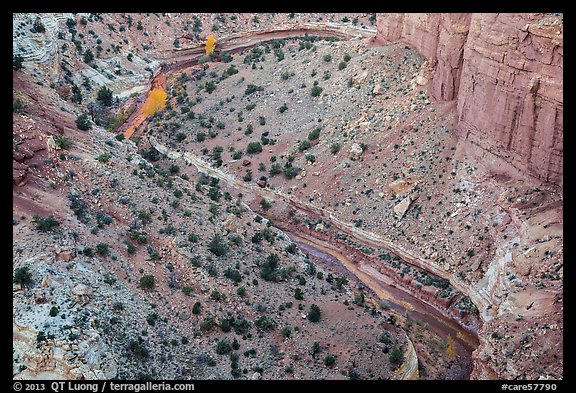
<point x="505" y="73"/>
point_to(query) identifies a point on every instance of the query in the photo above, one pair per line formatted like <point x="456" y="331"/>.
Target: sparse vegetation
<point x="147" y="281"/>
<point x="44" y="224"/>
<point x="23" y="277"/>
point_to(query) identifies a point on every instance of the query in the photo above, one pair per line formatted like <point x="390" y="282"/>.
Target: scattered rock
<point x="401" y="208"/>
<point x="355" y="151"/>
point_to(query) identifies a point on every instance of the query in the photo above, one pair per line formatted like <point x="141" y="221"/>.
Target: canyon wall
<point x="505" y="72"/>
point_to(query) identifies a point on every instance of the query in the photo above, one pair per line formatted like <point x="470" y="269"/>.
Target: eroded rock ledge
<point x="505" y="73"/>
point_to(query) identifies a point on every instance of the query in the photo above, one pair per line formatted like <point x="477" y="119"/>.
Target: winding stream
<point x="320" y="251"/>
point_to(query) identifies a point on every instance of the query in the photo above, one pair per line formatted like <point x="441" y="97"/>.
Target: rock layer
<point x="505" y="73"/>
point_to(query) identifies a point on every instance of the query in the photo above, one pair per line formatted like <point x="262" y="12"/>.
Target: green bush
<point x="83" y="123"/>
<point x="396" y="356"/>
<point x="329" y="360"/>
<point x="44" y="224"/>
<point x="275" y="169"/>
<point x="147" y="281"/>
<point x="291" y="171"/>
<point x="265" y="323"/>
<point x="314" y="134"/>
<point x="17" y="62"/>
<point x="217" y="246"/>
<point x="265" y="204"/>
<point x="104" y="157"/>
<point x="298" y="294"/>
<point x="316" y="91"/>
<point x="254" y="147"/>
<point x="304" y="145"/>
<point x="251" y="88"/>
<point x="105" y="96"/>
<point x="335" y="148"/>
<point x="286" y="331"/>
<point x="22" y="276"/>
<point x="223" y="347"/>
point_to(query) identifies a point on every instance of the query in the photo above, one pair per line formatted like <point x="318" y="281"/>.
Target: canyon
<point x="495" y="79"/>
<point x="505" y="73"/>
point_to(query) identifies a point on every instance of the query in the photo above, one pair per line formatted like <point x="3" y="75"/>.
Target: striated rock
<point x="508" y="91"/>
<point x="65" y="254"/>
<point x="19" y="172"/>
<point x="510" y="101"/>
<point x="359" y="79"/>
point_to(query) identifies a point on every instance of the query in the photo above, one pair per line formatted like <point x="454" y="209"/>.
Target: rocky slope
<point x="505" y="73"/>
<point x="398" y="171"/>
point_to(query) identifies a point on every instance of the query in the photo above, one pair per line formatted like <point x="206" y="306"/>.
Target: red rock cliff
<point x="505" y="73"/>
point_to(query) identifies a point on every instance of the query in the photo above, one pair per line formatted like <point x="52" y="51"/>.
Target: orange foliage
<point x="210" y="44"/>
<point x="451" y="351"/>
<point x="156" y="101"/>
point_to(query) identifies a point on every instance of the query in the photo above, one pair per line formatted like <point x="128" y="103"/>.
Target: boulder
<point x="401" y="208"/>
<point x="356" y="151"/>
<point x="65" y="254"/>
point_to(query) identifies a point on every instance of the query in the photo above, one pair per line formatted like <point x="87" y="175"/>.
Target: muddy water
<point x="398" y="300"/>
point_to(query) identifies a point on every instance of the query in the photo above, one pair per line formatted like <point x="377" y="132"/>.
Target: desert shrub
<point x="265" y="323"/>
<point x="396" y="356"/>
<point x="275" y="169"/>
<point x="17" y="62"/>
<point x="254" y="147"/>
<point x="265" y="204"/>
<point x="286" y="331"/>
<point x="44" y="224"/>
<point x="147" y="281"/>
<point x="105" y="96"/>
<point x="298" y="294"/>
<point x="217" y="246"/>
<point x="314" y="313"/>
<point x="223" y="347"/>
<point x="304" y="145"/>
<point x="335" y="148"/>
<point x="316" y="91"/>
<point x="329" y="360"/>
<point x="233" y="275"/>
<point x="251" y="88"/>
<point x="83" y="123"/>
<point x="291" y="171"/>
<point x="22" y="276"/>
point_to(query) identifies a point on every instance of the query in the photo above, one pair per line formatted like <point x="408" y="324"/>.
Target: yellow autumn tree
<point x="210" y="44"/>
<point x="156" y="101"/>
<point x="451" y="350"/>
